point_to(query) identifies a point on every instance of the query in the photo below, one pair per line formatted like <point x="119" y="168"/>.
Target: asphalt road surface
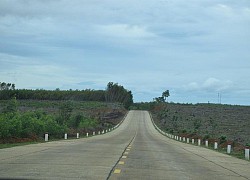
<point x="135" y="150"/>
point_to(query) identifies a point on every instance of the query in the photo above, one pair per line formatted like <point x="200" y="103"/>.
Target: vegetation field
<point x="224" y="123"/>
<point x="28" y="120"/>
<point x="26" y="114"/>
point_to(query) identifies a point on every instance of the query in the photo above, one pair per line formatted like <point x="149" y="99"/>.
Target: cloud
<point x="210" y="85"/>
<point x="217" y="85"/>
<point x="147" y="46"/>
<point x="125" y="31"/>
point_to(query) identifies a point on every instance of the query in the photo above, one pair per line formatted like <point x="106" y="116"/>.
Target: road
<point x="135" y="150"/>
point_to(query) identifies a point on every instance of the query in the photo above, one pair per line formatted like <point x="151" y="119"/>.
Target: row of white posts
<point x="46" y="136"/>
<point x="184" y="139"/>
<point x="229" y="146"/>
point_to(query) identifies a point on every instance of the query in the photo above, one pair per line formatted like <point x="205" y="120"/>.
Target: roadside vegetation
<point x="213" y="122"/>
<point x="26" y="115"/>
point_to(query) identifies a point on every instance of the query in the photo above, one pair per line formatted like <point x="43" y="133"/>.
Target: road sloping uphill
<point x="135" y="150"/>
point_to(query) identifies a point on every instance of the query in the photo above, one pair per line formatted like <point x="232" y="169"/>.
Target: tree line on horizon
<point x="113" y="93"/>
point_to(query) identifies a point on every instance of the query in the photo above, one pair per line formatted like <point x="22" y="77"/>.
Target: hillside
<point x="207" y="120"/>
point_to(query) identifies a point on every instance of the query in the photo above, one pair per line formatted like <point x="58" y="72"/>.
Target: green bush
<point x="53" y="128"/>
<point x="88" y="123"/>
<point x="75" y="120"/>
<point x="32" y="124"/>
<point x="223" y="139"/>
<point x="4" y="128"/>
<point x="29" y="124"/>
<point x="10" y="125"/>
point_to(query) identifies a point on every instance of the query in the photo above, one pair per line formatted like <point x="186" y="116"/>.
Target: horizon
<point x="219" y="99"/>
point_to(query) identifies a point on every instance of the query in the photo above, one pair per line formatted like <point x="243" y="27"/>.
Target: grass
<point x="10" y="145"/>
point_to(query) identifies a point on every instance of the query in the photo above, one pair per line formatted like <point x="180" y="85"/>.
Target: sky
<point x="196" y="49"/>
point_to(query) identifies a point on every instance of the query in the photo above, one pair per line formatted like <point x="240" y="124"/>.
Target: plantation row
<point x="113" y="93"/>
<point x="41" y="94"/>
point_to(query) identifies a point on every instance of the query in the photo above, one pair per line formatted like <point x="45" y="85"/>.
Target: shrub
<point x="53" y="128"/>
<point x="10" y="125"/>
<point x="206" y="137"/>
<point x="75" y="120"/>
<point x="4" y="128"/>
<point x="223" y="139"/>
<point x="88" y="122"/>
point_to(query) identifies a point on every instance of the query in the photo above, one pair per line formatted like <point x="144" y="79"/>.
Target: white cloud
<point x="125" y="31"/>
<point x="216" y="84"/>
<point x="192" y="86"/>
<point x="210" y="84"/>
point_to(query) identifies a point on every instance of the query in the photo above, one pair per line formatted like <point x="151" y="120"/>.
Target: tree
<point x="7" y="86"/>
<point x="159" y="99"/>
<point x="163" y="98"/>
<point x="165" y="95"/>
<point x="3" y="86"/>
<point x="117" y="93"/>
<point x="13" y="86"/>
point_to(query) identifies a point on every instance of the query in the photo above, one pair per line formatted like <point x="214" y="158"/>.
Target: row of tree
<point x="163" y="97"/>
<point x="117" y="93"/>
<point x="113" y="93"/>
<point x="6" y="86"/>
<point x="41" y="94"/>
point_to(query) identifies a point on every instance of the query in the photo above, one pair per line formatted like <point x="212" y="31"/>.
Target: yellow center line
<point x="117" y="171"/>
<point x="121" y="162"/>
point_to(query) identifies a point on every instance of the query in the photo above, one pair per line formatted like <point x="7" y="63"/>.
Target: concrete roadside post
<point x="65" y="136"/>
<point x="206" y="143"/>
<point x="77" y="135"/>
<point x="247" y="152"/>
<point x="215" y="145"/>
<point x="46" y="137"/>
<point x="93" y="133"/>
<point x="199" y="142"/>
<point x="99" y="132"/>
<point x="192" y="141"/>
<point x="184" y="139"/>
<point x="229" y="147"/>
<point x="188" y="140"/>
<point x="87" y="134"/>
